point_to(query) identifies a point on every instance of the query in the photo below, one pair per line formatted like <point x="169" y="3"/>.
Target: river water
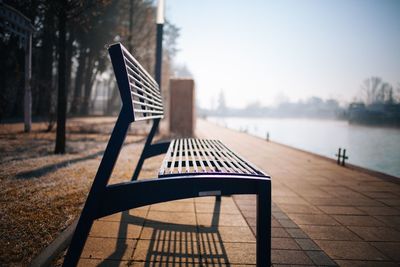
<point x="375" y="148"/>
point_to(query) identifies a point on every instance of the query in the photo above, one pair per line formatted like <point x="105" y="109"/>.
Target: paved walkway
<point x="323" y="214"/>
<point x="352" y="216"/>
<point x="190" y="232"/>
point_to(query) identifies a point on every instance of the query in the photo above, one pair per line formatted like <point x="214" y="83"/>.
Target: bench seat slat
<point x="192" y="155"/>
<point x="203" y="156"/>
<point x="225" y="162"/>
<point x="215" y="158"/>
<point x="232" y="159"/>
<point x="244" y="163"/>
<point x="172" y="166"/>
<point x="187" y="166"/>
<point x="203" y="168"/>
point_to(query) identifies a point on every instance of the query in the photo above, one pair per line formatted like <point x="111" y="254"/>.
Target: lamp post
<point x="159" y="39"/>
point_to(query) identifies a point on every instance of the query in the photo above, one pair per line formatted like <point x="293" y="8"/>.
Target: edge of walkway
<point x="377" y="174"/>
<point x="53" y="250"/>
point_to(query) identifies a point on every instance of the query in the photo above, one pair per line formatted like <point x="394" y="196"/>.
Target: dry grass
<point x="42" y="193"/>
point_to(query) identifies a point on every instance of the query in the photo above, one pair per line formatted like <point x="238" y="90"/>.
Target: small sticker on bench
<point x="210" y="193"/>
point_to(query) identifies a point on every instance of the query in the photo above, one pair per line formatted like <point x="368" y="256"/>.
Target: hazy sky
<point x="269" y="50"/>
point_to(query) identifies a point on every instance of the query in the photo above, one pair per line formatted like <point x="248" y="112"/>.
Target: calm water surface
<point x="370" y="147"/>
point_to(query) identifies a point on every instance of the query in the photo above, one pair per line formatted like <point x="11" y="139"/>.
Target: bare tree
<point x="396" y="94"/>
<point x="374" y="90"/>
<point x="370" y="89"/>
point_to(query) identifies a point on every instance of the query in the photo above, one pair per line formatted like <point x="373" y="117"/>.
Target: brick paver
<point x="198" y="232"/>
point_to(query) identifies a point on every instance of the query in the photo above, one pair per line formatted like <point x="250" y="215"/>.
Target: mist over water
<point x="370" y="147"/>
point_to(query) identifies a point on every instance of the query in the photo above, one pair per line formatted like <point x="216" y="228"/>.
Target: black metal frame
<point x="104" y="199"/>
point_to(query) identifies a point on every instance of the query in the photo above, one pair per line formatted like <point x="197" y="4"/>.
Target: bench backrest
<point x="140" y="93"/>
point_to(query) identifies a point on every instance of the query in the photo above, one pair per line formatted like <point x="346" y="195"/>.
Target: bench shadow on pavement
<point x="175" y="244"/>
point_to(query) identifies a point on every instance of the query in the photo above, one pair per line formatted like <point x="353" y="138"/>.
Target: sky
<point x="271" y="51"/>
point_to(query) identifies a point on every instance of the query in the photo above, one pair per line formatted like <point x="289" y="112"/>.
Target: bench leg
<point x="263" y="226"/>
<point x="78" y="240"/>
<point x="98" y="187"/>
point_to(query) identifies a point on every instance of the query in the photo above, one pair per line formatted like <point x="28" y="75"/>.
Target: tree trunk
<point x="88" y="84"/>
<point x="62" y="94"/>
<point x="68" y="59"/>
<point x="45" y="66"/>
<point x="77" y="97"/>
<point x="28" y="91"/>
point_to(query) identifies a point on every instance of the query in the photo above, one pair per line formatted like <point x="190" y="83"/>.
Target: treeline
<point x="313" y="107"/>
<point x="378" y="103"/>
<point x="77" y="32"/>
<point x="375" y="90"/>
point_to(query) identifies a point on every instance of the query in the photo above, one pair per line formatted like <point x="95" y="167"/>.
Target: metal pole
<point x="28" y="76"/>
<point x="343" y="157"/>
<point x="159" y="39"/>
<point x="158" y="66"/>
<point x="130" y="45"/>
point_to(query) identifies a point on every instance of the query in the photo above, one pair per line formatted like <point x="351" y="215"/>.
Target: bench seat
<point x="191" y="156"/>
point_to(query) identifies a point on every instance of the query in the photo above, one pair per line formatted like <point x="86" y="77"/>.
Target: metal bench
<point x="191" y="167"/>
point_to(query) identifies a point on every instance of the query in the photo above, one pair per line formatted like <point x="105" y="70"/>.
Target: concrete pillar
<point x="182" y="117"/>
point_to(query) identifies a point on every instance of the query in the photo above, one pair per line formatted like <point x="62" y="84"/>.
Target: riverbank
<point x="380" y="175"/>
